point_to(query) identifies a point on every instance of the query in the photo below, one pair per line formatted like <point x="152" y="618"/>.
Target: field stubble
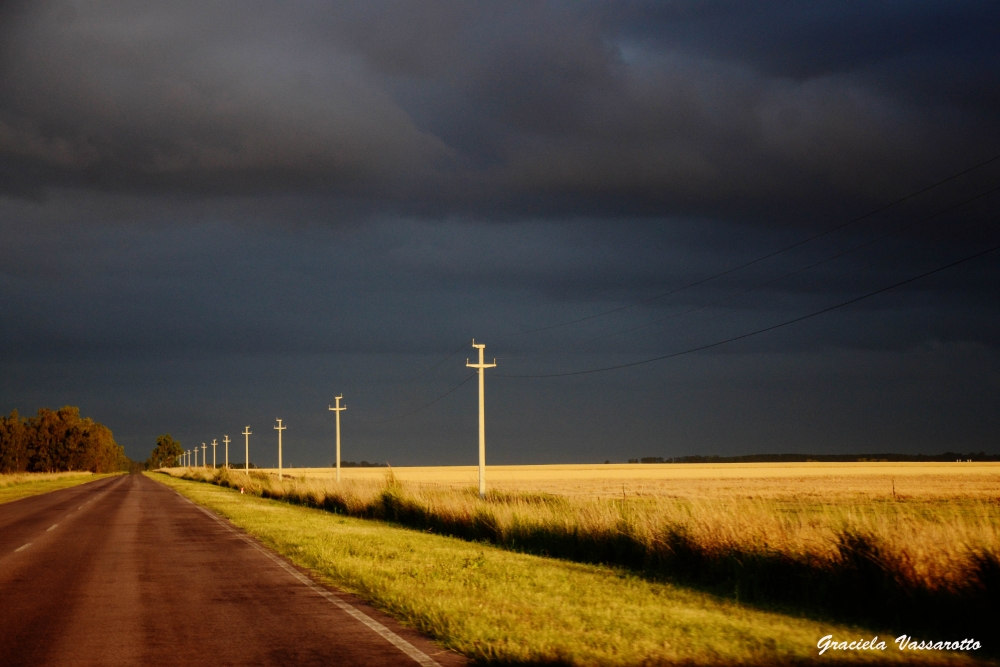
<point x="903" y="545"/>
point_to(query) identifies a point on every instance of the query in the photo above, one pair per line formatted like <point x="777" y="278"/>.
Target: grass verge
<point x="502" y="607"/>
<point x="23" y="485"/>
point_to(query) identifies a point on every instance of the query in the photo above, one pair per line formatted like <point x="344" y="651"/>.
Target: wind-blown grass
<point x="502" y="607"/>
<point x="919" y="563"/>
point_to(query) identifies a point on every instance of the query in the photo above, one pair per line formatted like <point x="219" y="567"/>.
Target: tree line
<point x="166" y="454"/>
<point x="57" y="441"/>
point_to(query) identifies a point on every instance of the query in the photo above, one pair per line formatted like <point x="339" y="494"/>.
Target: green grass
<point x="497" y="606"/>
<point x="15" y="487"/>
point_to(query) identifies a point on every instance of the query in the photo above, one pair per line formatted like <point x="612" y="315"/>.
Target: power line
<point x="464" y="345"/>
<point x="765" y="329"/>
<point x="427" y="405"/>
<point x="759" y="259"/>
<point x="782" y="277"/>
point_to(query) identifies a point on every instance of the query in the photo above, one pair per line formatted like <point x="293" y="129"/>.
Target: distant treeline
<point x="362" y="464"/>
<point x="58" y="440"/>
<point x="824" y="458"/>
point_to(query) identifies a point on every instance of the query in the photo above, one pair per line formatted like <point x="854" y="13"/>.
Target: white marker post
<point x="338" y="410"/>
<point x="204" y="455"/>
<point x="247" y="433"/>
<point x="214" y="445"/>
<point x="226" y="440"/>
<point x="279" y="428"/>
<point x="482" y="413"/>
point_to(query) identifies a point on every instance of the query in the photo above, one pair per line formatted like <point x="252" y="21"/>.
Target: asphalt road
<point x="124" y="571"/>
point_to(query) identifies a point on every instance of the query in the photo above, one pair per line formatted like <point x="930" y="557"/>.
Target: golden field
<point x="820" y="481"/>
<point x="15" y="486"/>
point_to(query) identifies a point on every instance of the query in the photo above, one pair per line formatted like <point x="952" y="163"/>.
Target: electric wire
<point x="765" y="329"/>
<point x="759" y="259"/>
<point x="775" y="298"/>
<point x="417" y="377"/>
<point x="413" y="412"/>
<point x="571" y="348"/>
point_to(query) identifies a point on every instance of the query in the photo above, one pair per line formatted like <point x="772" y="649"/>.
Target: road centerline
<point x="23" y="547"/>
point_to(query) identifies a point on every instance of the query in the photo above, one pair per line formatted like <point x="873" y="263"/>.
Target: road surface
<point x="124" y="571"/>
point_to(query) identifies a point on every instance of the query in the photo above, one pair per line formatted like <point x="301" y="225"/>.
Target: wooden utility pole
<point x="482" y="366"/>
<point x="247" y="433"/>
<point x="214" y="445"/>
<point x="204" y="455"/>
<point x="337" y="410"/>
<point x="279" y="428"/>
<point x="226" y="440"/>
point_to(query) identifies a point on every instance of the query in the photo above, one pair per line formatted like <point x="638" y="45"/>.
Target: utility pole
<point x="482" y="366"/>
<point x="214" y="445"/>
<point x="226" y="440"/>
<point x="204" y="455"/>
<point x="195" y="457"/>
<point x="247" y="433"/>
<point x="338" y="410"/>
<point x="279" y="428"/>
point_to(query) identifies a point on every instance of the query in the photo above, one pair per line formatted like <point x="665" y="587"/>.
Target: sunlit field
<point x="22" y="485"/>
<point x="714" y="481"/>
<point x="880" y="540"/>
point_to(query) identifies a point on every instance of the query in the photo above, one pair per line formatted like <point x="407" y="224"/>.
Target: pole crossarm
<point x="481" y="366"/>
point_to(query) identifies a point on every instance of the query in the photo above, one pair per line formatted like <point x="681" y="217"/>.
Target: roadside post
<point x="337" y="410"/>
<point x="482" y="366"/>
<point x="279" y="428"/>
<point x="246" y="463"/>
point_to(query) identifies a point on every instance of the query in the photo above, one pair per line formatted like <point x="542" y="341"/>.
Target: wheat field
<point x="715" y="481"/>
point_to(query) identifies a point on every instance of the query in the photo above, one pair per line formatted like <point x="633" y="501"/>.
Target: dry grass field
<point x="716" y="481"/>
<point x="889" y="541"/>
<point x="21" y="485"/>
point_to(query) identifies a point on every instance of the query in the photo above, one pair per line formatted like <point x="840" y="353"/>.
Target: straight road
<point x="124" y="571"/>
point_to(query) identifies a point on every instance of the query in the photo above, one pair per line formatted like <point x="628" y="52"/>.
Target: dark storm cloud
<point x="215" y="211"/>
<point x="720" y="109"/>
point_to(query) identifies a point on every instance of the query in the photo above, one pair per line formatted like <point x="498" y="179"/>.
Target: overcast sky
<point x="215" y="214"/>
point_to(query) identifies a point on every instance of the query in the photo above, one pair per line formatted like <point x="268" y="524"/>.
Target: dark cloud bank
<point x="217" y="213"/>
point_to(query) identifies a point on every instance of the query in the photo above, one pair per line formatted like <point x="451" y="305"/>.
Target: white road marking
<point x="406" y="647"/>
<point x="52" y="527"/>
<point x="22" y="548"/>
